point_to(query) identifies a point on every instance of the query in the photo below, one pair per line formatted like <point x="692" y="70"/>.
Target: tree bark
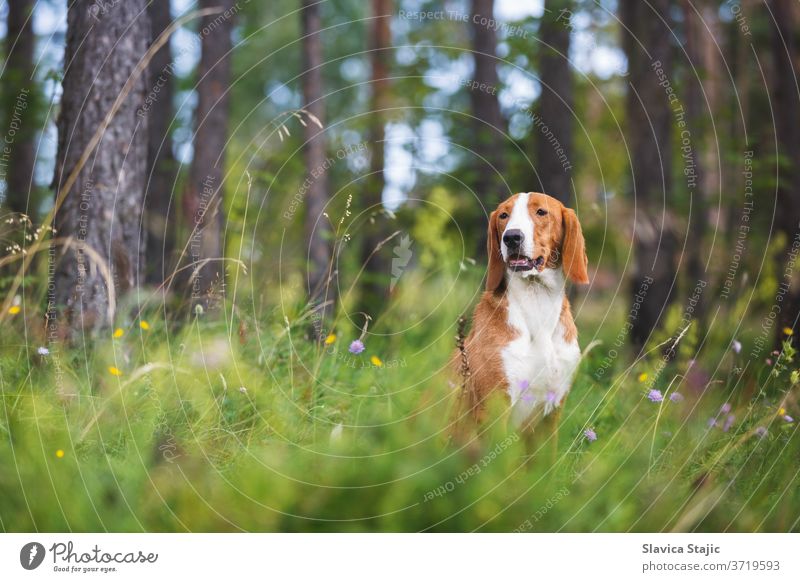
<point x="701" y="90"/>
<point x="489" y="124"/>
<point x="375" y="279"/>
<point x="553" y="165"/>
<point x="102" y="211"/>
<point x="786" y="55"/>
<point x="203" y="199"/>
<point x="161" y="165"/>
<point x="318" y="234"/>
<point x="19" y="92"/>
<point x="649" y="129"/>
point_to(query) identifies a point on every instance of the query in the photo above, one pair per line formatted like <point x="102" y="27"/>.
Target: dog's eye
<point x="541" y="212"/>
<point x="503" y="215"/>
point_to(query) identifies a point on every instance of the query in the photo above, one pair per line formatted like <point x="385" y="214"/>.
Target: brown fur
<point x="558" y="238"/>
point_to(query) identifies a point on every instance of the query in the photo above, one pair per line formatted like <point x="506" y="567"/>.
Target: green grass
<point x="207" y="429"/>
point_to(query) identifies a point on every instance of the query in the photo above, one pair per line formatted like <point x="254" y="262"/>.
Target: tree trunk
<point x="375" y="279"/>
<point x="103" y="210"/>
<point x="19" y="93"/>
<point x="649" y="128"/>
<point x="489" y="125"/>
<point x="786" y="54"/>
<point x="203" y="199"/>
<point x="321" y="288"/>
<point x="161" y="165"/>
<point x="738" y="54"/>
<point x="712" y="162"/>
<point x="554" y="147"/>
<point x="696" y="126"/>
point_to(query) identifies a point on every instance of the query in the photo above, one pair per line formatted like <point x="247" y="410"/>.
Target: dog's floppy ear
<point x="573" y="249"/>
<point x="494" y="277"/>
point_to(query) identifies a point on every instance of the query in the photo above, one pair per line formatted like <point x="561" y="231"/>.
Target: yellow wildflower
<point x="114" y="371"/>
<point x="118" y="333"/>
<point x="60" y="454"/>
<point x="330" y="339"/>
<point x="14" y="309"/>
<point x="642" y="376"/>
<point x="144" y="325"/>
<point x="376" y="361"/>
<point x="788" y="331"/>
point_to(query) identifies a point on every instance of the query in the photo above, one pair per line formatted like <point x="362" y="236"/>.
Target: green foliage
<point x="208" y="429"/>
<point x="235" y="421"/>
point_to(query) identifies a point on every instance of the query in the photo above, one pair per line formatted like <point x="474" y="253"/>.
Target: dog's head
<point x="531" y="232"/>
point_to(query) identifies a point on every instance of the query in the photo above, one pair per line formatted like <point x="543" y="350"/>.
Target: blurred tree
<point x="19" y="93"/>
<point x="646" y="37"/>
<point x="489" y="125"/>
<point x="203" y="198"/>
<point x="103" y="209"/>
<point x="701" y="31"/>
<point x="556" y="103"/>
<point x="161" y="164"/>
<point x="786" y="55"/>
<point x="317" y="228"/>
<point x="376" y="276"/>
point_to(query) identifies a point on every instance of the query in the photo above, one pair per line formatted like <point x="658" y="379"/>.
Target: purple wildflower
<point x="356" y="347"/>
<point x="768" y="361"/>
<point x="736" y="346"/>
<point x="524" y="391"/>
<point x="590" y="435"/>
<point x="712" y="422"/>
<point x="728" y="422"/>
<point x="762" y="431"/>
<point x="725" y="408"/>
<point x="655" y="396"/>
<point x="676" y="397"/>
<point x="788" y="418"/>
<point x="551" y="397"/>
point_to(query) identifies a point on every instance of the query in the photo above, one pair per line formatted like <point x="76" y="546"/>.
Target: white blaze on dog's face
<point x="517" y="238"/>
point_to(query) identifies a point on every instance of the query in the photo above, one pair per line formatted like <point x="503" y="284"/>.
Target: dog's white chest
<point x="539" y="364"/>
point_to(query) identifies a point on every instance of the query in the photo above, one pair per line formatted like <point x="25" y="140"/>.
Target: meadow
<point x="237" y="421"/>
<point x="164" y="250"/>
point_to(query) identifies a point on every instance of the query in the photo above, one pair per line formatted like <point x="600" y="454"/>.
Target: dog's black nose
<point x="513" y="238"/>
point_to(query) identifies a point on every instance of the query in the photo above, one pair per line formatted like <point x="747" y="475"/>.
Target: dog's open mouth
<point x="522" y="263"/>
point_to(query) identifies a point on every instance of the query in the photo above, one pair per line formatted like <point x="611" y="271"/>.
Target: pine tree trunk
<point x="697" y="115"/>
<point x="375" y="279"/>
<point x="317" y="228"/>
<point x="786" y="54"/>
<point x="552" y="164"/>
<point x="203" y="199"/>
<point x="649" y="130"/>
<point x="161" y="165"/>
<point x="103" y="209"/>
<point x="19" y="92"/>
<point x="489" y="126"/>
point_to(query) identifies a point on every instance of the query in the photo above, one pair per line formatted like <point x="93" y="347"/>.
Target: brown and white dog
<point x="523" y="340"/>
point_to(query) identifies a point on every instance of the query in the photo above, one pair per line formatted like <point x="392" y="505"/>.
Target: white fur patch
<point x="539" y="364"/>
<point x="520" y="219"/>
